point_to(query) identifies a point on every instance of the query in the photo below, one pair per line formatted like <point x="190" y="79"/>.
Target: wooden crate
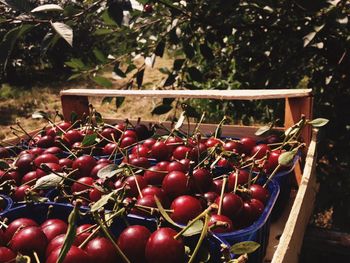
<point x="292" y="224"/>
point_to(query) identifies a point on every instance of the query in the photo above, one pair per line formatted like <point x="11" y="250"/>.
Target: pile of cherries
<point x="25" y="236"/>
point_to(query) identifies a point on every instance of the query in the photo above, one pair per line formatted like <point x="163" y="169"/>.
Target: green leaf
<point x="139" y="78"/>
<point x="47" y="8"/>
<point x="70" y="235"/>
<point x="161" y="109"/>
<point x="102" y="202"/>
<point x="189" y="51"/>
<point x="206" y="52"/>
<point x="107" y="19"/>
<point x="4" y="165"/>
<point x="48" y="181"/>
<point x="74" y="76"/>
<point x="195" y="74"/>
<point x="89" y="140"/>
<point x="195" y="229"/>
<point x="109" y="171"/>
<point x="102" y="31"/>
<point x="102" y="81"/>
<point x="118" y="71"/>
<point x="319" y="122"/>
<point x="65" y="31"/>
<point x="286" y="158"/>
<point x="119" y="101"/>
<point x="190" y="111"/>
<point x="170" y="80"/>
<point x="73" y="117"/>
<point x="165" y="214"/>
<point x="9" y="41"/>
<point x="159" y="51"/>
<point x="245" y="247"/>
<point x="75" y="63"/>
<point x="178" y="64"/>
<point x="40" y="115"/>
<point x="99" y="55"/>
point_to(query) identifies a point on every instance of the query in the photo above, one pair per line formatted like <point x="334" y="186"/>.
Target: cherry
<point x="175" y="184"/>
<point x="130" y="133"/>
<point x="57" y="242"/>
<point x="120" y="127"/>
<point x="243" y="178"/>
<point x="147" y="200"/>
<point x="259" y="192"/>
<point x="52" y="166"/>
<point x="247" y="144"/>
<point x="45" y="158"/>
<point x="217" y="186"/>
<point x="273" y="138"/>
<point x="53" y="150"/>
<point x="12" y="175"/>
<point x="211" y="142"/>
<point x="74" y="255"/>
<point x="140" y="150"/>
<point x="73" y="136"/>
<point x="250" y="212"/>
<point x="181" y="152"/>
<point x="132" y="241"/>
<point x="186" y="162"/>
<point x="130" y="181"/>
<point x="260" y="151"/>
<point x="24" y="163"/>
<point x="272" y="162"/>
<point x="4" y="153"/>
<point x="224" y="163"/>
<point x="233" y="146"/>
<point x="36" y="151"/>
<point x="46" y="141"/>
<point x="108" y="133"/>
<point x="127" y="141"/>
<point x="163" y="166"/>
<point x="163" y="247"/>
<point x="109" y="148"/>
<point x="29" y="239"/>
<point x="156" y="191"/>
<point x="76" y="187"/>
<point x="148" y="8"/>
<point x="20" y="192"/>
<point x="53" y="228"/>
<point x="231" y="204"/>
<point x="185" y="208"/>
<point x="153" y="176"/>
<point x="140" y="162"/>
<point x="160" y="151"/>
<point x="95" y="195"/>
<point x="176" y="166"/>
<point x="96" y="168"/>
<point x="7" y="255"/>
<point x="101" y="249"/>
<point x="65" y="162"/>
<point x="84" y="164"/>
<point x="14" y="225"/>
<point x="29" y="177"/>
<point x="214" y="219"/>
<point x="201" y="180"/>
<point x="64" y="125"/>
<point x="2" y="237"/>
<point x="210" y="197"/>
<point x="173" y="142"/>
<point x="142" y="131"/>
<point x="149" y="142"/>
<point x="104" y="160"/>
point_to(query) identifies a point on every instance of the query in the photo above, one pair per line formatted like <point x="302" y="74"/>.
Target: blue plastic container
<point x="6" y="204"/>
<point x="43" y="211"/>
<point x="259" y="230"/>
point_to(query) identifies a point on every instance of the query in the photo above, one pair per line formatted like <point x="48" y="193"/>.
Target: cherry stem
<point x="89" y="237"/>
<point x="67" y="149"/>
<point x="152" y="208"/>
<point x="272" y="175"/>
<point x="250" y="174"/>
<point x="2" y="224"/>
<point x="25" y="132"/>
<point x="224" y="181"/>
<point x="236" y="181"/>
<point x="199" y="123"/>
<point x="36" y="257"/>
<point x="201" y="238"/>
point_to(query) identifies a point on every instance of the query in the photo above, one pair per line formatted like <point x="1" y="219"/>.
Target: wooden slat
<point x="291" y="240"/>
<point x="247" y="94"/>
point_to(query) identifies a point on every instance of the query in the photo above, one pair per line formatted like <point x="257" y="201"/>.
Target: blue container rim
<point x="274" y="192"/>
<point x="9" y="204"/>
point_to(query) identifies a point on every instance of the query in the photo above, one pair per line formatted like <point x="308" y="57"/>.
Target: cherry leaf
<point x="48" y="181"/>
<point x="65" y="31"/>
<point x="195" y="229"/>
<point x="245" y="247"/>
<point x="165" y="214"/>
<point x="109" y="171"/>
<point x="102" y="202"/>
<point x="47" y="8"/>
<point x="89" y="140"/>
<point x="180" y="121"/>
<point x="286" y="158"/>
<point x="319" y="122"/>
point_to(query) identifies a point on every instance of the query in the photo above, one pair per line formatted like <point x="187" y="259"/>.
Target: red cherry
<point x="45" y="158"/>
<point x="110" y="148"/>
<point x="181" y="152"/>
<point x="250" y="212"/>
<point x="108" y="133"/>
<point x="217" y="186"/>
<point x="148" y="8"/>
<point x="260" y="151"/>
<point x="243" y="178"/>
<point x="127" y="141"/>
<point x="175" y="184"/>
<point x="149" y="142"/>
<point x="147" y="200"/>
<point x="95" y="195"/>
<point x="163" y="166"/>
<point x="176" y="166"/>
<point x="219" y="219"/>
<point x="82" y="234"/>
<point x="186" y="162"/>
<point x="185" y="208"/>
<point x="52" y="166"/>
<point x="4" y="153"/>
<point x="142" y="131"/>
<point x="231" y="204"/>
<point x="96" y="168"/>
<point x="57" y="242"/>
<point x="64" y="125"/>
<point x="248" y="144"/>
<point x="201" y="180"/>
<point x="7" y="255"/>
<point x="54" y="228"/>
<point x="210" y="197"/>
<point x="53" y="150"/>
<point x="65" y="162"/>
<point x="104" y="160"/>
<point x="130" y="133"/>
<point x="84" y="164"/>
<point x="12" y="175"/>
<point x="29" y="177"/>
<point x="46" y="141"/>
<point x="153" y="176"/>
<point x="211" y="142"/>
<point x="272" y="162"/>
<point x="233" y="146"/>
<point x="101" y="249"/>
<point x="29" y="239"/>
<point x="140" y="162"/>
<point x="156" y="191"/>
<point x="14" y="225"/>
<point x="173" y="142"/>
<point x="120" y="126"/>
<point x="74" y="255"/>
<point x="76" y="187"/>
<point x="20" y="192"/>
<point x="73" y="136"/>
<point x="25" y="163"/>
<point x="259" y="192"/>
<point x="163" y="247"/>
<point x="160" y="151"/>
<point x="140" y="150"/>
<point x="130" y="181"/>
<point x="36" y="151"/>
<point x="132" y="241"/>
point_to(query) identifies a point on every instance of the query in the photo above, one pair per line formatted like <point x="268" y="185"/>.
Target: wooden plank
<point x="291" y="240"/>
<point x="77" y="104"/>
<point x="248" y="94"/>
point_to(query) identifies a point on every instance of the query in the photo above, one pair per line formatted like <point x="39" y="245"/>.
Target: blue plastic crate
<point x="7" y="204"/>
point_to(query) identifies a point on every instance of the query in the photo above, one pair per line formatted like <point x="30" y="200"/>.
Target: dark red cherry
<point x="96" y="168"/>
<point x="74" y="255"/>
<point x="140" y="162"/>
<point x="211" y="142"/>
<point x="84" y="164"/>
<point x="160" y="151"/>
<point x="259" y="192"/>
<point x="101" y="249"/>
<point x="233" y="146"/>
<point x="110" y="133"/>
<point x="130" y="133"/>
<point x="82" y="233"/>
<point x="57" y="242"/>
<point x="142" y="131"/>
<point x="140" y="151"/>
<point x="231" y="204"/>
<point x="7" y="255"/>
<point x="73" y="136"/>
<point x="222" y="223"/>
<point x="29" y="177"/>
<point x="176" y="166"/>
<point x="20" y="192"/>
<point x="149" y="142"/>
<point x="260" y="150"/>
<point x="46" y="141"/>
<point x="247" y="144"/>
<point x="45" y="158"/>
<point x="243" y="178"/>
<point x="65" y="162"/>
<point x="175" y="184"/>
<point x="181" y="152"/>
<point x="24" y="163"/>
<point x="130" y="181"/>
<point x="201" y="180"/>
<point x="148" y="8"/>
<point x="153" y="175"/>
<point x="185" y="208"/>
<point x="163" y="247"/>
<point x="54" y="228"/>
<point x="4" y="153"/>
<point x="127" y="141"/>
<point x="64" y="125"/>
<point x="163" y="166"/>
<point x="210" y="197"/>
<point x="15" y="225"/>
<point x="11" y="175"/>
<point x="55" y="167"/>
<point x="95" y="195"/>
<point x="132" y="241"/>
<point x="53" y="150"/>
<point x="36" y="151"/>
<point x="76" y="187"/>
